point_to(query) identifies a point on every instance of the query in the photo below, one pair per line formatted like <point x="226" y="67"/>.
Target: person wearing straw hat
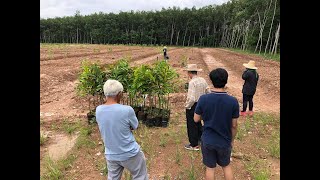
<point x="196" y="87"/>
<point x="251" y="78"/>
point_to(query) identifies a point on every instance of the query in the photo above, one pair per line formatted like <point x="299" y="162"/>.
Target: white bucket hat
<point x="192" y="67"/>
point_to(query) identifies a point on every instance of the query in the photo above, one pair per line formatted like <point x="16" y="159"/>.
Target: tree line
<point x="245" y="24"/>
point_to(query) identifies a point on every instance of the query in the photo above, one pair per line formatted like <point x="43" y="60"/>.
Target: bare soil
<point x="58" y="101"/>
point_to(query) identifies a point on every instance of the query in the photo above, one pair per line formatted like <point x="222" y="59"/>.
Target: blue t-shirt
<point x="114" y="123"/>
<point x="217" y="110"/>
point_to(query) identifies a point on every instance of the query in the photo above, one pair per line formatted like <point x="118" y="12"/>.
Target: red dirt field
<point x="163" y="147"/>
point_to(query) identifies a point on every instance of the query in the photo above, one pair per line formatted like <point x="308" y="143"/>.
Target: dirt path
<point x="263" y="99"/>
<point x="59" y="101"/>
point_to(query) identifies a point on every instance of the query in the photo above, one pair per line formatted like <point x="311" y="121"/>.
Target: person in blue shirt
<point x="116" y="122"/>
<point x="219" y="112"/>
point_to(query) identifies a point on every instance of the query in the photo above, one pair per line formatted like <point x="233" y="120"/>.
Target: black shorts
<point x="212" y="155"/>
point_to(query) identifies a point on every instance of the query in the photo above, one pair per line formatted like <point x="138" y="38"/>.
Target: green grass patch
<point x="274" y="144"/>
<point x="70" y="127"/>
<point x="258" y="169"/>
<point x="54" y="169"/>
<point x="84" y="139"/>
<point x="43" y="139"/>
<point x="274" y="57"/>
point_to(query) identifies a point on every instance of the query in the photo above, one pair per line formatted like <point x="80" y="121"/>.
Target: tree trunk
<point x="184" y="37"/>
<point x="189" y="38"/>
<point x="194" y="38"/>
<point x="275" y="45"/>
<point x="177" y="38"/>
<point x="262" y="27"/>
<point x="172" y="31"/>
<point x="274" y="12"/>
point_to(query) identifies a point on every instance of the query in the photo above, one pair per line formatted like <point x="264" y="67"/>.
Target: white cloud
<point x="60" y="8"/>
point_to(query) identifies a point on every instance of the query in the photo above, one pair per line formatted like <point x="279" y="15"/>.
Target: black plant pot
<point x="136" y="109"/>
<point x="150" y="121"/>
<point x="91" y="117"/>
<point x="141" y="116"/>
<point x="165" y="121"/>
<point x="158" y="121"/>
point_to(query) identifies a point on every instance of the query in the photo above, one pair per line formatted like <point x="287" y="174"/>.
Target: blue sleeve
<point x="199" y="106"/>
<point x="235" y="111"/>
<point x="133" y="121"/>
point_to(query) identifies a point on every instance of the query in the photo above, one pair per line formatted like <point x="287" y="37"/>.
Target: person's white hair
<point x="112" y="87"/>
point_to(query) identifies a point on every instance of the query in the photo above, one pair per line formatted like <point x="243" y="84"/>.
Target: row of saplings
<point x="146" y="88"/>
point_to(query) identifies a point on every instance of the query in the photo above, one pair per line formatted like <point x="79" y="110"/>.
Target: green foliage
<point x="91" y="79"/>
<point x="235" y="24"/>
<point x="122" y="72"/>
<point x="143" y="81"/>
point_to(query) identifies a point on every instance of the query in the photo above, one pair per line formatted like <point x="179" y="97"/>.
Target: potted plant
<point x="90" y="85"/>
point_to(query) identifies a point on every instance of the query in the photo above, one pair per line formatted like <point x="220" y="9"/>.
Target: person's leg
<point x="227" y="171"/>
<point x="137" y="166"/>
<point x="192" y="127"/>
<point x="223" y="159"/>
<point x="250" y="97"/>
<point x="244" y="103"/>
<point x="209" y="159"/>
<point x="114" y="170"/>
<point x="209" y="173"/>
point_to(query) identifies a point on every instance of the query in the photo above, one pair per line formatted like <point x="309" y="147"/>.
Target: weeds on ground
<point x="102" y="167"/>
<point x="50" y="54"/>
<point x="70" y="127"/>
<point x="191" y="171"/>
<point x="274" y="57"/>
<point x="96" y="50"/>
<point x="163" y="140"/>
<point x="274" y="145"/>
<point x="178" y="156"/>
<point x="43" y="139"/>
<point x="258" y="169"/>
<point x="184" y="61"/>
<point x="84" y="139"/>
<point x="52" y="170"/>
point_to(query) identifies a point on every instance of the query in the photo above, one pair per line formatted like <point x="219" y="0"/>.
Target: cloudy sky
<point x="60" y="8"/>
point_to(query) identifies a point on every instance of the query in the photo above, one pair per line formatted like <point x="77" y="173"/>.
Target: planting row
<point x="146" y="88"/>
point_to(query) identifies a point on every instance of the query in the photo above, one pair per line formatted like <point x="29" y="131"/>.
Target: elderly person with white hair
<point x="115" y="123"/>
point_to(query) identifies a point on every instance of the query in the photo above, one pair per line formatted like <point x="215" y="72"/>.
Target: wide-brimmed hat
<point x="192" y="67"/>
<point x="250" y="65"/>
<point x="165" y="47"/>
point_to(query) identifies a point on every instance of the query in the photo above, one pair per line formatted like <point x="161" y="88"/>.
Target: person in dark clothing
<point x="165" y="56"/>
<point x="250" y="77"/>
<point x="219" y="112"/>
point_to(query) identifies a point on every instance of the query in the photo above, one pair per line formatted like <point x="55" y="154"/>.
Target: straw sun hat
<point x="250" y="65"/>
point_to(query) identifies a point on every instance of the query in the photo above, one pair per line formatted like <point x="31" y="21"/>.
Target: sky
<point x="60" y="8"/>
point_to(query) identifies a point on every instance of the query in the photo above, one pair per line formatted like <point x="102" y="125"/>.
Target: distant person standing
<point x="165" y="56"/>
<point x="251" y="78"/>
<point x="196" y="87"/>
<point x="116" y="122"/>
<point x="219" y="112"/>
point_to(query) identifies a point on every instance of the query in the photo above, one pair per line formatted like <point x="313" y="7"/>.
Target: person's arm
<point x="234" y="124"/>
<point x="245" y="75"/>
<point x="191" y="99"/>
<point x="234" y="128"/>
<point x="133" y="121"/>
<point x="198" y="111"/>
